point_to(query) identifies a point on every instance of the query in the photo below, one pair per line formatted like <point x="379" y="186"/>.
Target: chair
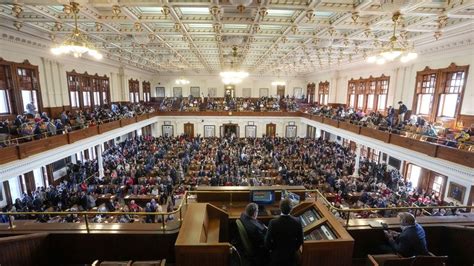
<point x="244" y="238"/>
<point x="389" y="260"/>
<point x="430" y="261"/>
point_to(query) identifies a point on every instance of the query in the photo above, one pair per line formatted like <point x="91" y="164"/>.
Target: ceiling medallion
<point x="241" y="4"/>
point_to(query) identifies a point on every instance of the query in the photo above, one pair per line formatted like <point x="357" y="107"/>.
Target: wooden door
<point x="271" y="130"/>
<point x="189" y="129"/>
<point x="281" y="91"/>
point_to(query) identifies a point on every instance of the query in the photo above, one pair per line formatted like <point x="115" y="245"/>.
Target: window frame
<point x="146" y="91"/>
<point x="134" y="91"/>
<point x="440" y="88"/>
<point x="361" y="89"/>
<point x="323" y="92"/>
<point x="92" y="84"/>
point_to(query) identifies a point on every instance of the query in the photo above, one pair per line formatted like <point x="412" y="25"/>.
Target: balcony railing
<point x="463" y="155"/>
<point x="166" y="228"/>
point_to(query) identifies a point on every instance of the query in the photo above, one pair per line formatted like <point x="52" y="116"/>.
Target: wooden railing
<point x="455" y="155"/>
<point x="317" y="195"/>
<point x="23" y="150"/>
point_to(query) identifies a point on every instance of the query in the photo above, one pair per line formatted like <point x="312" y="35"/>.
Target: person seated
<point x="411" y="241"/>
<point x="284" y="236"/>
<point x="256" y="232"/>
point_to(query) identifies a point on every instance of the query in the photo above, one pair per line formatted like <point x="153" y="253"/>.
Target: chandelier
<point x="182" y="81"/>
<point x="233" y="76"/>
<point x="77" y="43"/>
<point x="278" y="83"/>
<point x="395" y="49"/>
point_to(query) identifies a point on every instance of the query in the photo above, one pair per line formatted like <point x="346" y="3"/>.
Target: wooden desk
<point x="324" y="252"/>
<point x="233" y="194"/>
<point x="203" y="237"/>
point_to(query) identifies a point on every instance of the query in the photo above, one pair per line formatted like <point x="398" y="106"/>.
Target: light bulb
<point x="380" y="61"/>
<point x="372" y="59"/>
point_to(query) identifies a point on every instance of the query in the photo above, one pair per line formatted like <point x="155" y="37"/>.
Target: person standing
<point x="30" y="108"/>
<point x="284" y="237"/>
<point x="402" y="110"/>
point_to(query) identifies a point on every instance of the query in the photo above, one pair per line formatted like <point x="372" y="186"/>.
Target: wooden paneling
<point x="199" y="241"/>
<point x="331" y="122"/>
<point x="109" y="126"/>
<point x="24" y="250"/>
<point x="455" y="155"/>
<point x="82" y="134"/>
<point x="317" y="118"/>
<point x="350" y="127"/>
<point x="416" y="145"/>
<point x="33" y="147"/>
<point x="142" y="117"/>
<point x="375" y="133"/>
<point x="127" y="121"/>
<point x="467" y="120"/>
<point x="9" y="154"/>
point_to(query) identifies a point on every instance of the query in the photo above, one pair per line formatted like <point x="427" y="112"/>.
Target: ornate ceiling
<point x="286" y="37"/>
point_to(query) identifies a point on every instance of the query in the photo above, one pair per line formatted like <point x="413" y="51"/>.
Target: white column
<point x="357" y="160"/>
<point x="100" y="161"/>
<point x="73" y="158"/>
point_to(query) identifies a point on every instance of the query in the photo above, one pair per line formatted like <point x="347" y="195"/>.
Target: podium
<point x="203" y="237"/>
<point x="326" y="242"/>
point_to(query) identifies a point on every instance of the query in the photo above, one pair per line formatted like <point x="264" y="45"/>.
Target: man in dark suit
<point x="256" y="233"/>
<point x="284" y="237"/>
<point x="411" y="241"/>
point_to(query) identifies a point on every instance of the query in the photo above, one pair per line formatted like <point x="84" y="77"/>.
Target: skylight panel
<point x="323" y="14"/>
<point x="280" y="13"/>
<point x="235" y="26"/>
<point x="200" y="26"/>
<point x="150" y="9"/>
<point x="194" y="10"/>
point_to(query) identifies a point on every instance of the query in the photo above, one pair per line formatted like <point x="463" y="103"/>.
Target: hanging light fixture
<point x="395" y="49"/>
<point x="182" y="81"/>
<point x="233" y="76"/>
<point x="77" y="43"/>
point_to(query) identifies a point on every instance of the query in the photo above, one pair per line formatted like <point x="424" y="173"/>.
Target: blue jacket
<point x="411" y="241"/>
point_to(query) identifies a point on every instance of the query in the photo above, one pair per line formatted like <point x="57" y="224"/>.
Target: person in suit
<point x="411" y="241"/>
<point x="256" y="231"/>
<point x="284" y="237"/>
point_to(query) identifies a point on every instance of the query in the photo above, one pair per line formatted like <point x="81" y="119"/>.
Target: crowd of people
<point x="241" y="104"/>
<point x="34" y="125"/>
<point x="162" y="168"/>
<point x="396" y="123"/>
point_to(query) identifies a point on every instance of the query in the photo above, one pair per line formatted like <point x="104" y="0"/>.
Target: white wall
<point x="402" y="76"/>
<point x="52" y="72"/>
<point x="205" y="82"/>
<point x="201" y="121"/>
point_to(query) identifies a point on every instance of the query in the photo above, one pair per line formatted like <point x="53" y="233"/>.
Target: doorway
<point x="281" y="91"/>
<point x="271" y="130"/>
<point x="228" y="130"/>
<point x="189" y="130"/>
